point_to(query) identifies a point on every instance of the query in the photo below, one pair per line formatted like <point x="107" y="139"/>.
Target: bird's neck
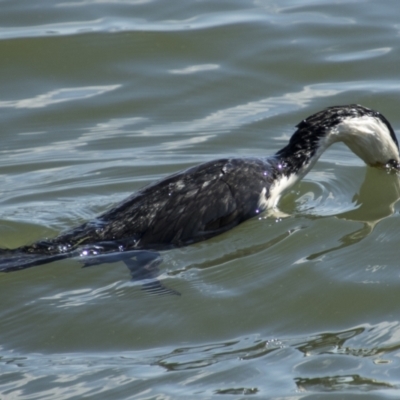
<point x="301" y="153"/>
<point x="370" y="137"/>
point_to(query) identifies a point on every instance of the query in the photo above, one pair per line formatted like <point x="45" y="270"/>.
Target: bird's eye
<point x="393" y="165"/>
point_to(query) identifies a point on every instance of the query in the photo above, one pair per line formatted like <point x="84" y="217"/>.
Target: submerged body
<point x="211" y="198"/>
<point x="187" y="207"/>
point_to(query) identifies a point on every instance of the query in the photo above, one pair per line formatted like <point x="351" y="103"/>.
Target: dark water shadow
<point x="143" y="266"/>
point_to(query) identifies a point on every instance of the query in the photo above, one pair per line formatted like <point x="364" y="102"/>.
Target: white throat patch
<point x="368" y="137"/>
<point x="276" y="190"/>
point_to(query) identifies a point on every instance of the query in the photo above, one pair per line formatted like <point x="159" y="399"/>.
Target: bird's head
<point x="366" y="132"/>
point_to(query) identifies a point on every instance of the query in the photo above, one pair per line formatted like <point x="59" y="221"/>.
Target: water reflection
<point x="375" y="201"/>
<point x="340" y="383"/>
<point x="329" y="342"/>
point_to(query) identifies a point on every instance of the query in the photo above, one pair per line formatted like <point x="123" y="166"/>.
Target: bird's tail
<point x="142" y="264"/>
<point x="18" y="259"/>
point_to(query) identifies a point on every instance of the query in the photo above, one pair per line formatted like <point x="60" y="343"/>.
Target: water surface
<point x="99" y="98"/>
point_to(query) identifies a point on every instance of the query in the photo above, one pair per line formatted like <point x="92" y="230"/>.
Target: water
<point x="99" y="98"/>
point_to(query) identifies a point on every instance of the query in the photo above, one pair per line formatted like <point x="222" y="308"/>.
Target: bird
<point x="211" y="198"/>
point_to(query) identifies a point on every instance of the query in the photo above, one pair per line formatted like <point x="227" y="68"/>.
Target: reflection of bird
<point x="211" y="198"/>
<point x="375" y="201"/>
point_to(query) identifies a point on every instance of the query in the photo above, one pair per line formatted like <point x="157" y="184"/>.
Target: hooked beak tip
<point x="393" y="165"/>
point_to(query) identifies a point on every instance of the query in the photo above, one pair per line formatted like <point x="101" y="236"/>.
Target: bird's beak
<point x="393" y="165"/>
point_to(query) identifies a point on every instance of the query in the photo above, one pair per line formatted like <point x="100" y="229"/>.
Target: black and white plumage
<point x="211" y="198"/>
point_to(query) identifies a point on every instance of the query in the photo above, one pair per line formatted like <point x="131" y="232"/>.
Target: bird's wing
<point x="187" y="207"/>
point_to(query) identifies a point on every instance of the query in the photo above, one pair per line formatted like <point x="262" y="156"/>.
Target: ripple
<point x="260" y="13"/>
<point x="81" y="297"/>
<point x="199" y="130"/>
<point x="310" y="363"/>
<point x="112" y="25"/>
<point x="360" y="55"/>
<point x="194" y="69"/>
<point x="58" y="96"/>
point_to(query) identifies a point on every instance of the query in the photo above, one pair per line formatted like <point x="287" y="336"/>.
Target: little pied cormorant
<point x="211" y="198"/>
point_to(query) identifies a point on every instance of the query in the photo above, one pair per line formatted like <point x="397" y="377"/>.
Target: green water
<point x="97" y="99"/>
